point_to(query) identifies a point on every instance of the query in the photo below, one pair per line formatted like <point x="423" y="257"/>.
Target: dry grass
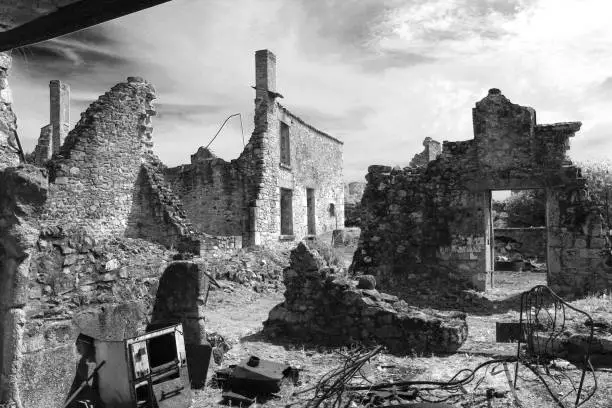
<point x="238" y="316"/>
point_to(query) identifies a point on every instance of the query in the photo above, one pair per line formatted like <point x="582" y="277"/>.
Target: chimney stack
<point x="59" y="113"/>
<point x="265" y="73"/>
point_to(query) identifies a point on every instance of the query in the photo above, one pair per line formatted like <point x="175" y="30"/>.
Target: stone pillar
<point x="265" y="73"/>
<point x="59" y="117"/>
<point x="9" y="155"/>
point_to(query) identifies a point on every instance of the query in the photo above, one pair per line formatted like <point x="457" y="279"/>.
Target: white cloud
<point x="382" y="75"/>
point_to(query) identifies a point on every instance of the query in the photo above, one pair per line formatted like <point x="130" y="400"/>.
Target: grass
<point x="226" y="315"/>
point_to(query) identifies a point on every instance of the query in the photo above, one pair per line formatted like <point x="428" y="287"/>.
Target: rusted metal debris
<point x="254" y="379"/>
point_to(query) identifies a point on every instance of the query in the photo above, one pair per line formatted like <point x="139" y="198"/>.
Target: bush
<point x="599" y="183"/>
<point x="332" y="256"/>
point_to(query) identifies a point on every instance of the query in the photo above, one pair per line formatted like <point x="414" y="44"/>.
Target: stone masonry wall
<point x="241" y="199"/>
<point x="213" y="193"/>
<point x="438" y="216"/>
<point x="321" y="305"/>
<point x="311" y="155"/>
<point x="432" y="150"/>
<point x="8" y="122"/>
<point x="316" y="163"/>
<point x="55" y="284"/>
<point x="95" y="174"/>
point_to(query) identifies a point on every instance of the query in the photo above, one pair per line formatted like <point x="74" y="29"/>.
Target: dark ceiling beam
<point x="71" y="18"/>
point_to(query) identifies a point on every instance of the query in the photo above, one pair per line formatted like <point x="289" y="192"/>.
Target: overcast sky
<point x="380" y="75"/>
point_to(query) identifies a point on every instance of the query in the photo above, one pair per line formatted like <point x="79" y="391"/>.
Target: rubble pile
<point x="257" y="268"/>
<point x="322" y="303"/>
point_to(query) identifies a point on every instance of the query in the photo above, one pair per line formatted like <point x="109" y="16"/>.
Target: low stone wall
<point x="322" y="305"/>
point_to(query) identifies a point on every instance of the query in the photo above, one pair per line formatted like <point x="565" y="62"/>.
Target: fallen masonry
<point x="320" y="303"/>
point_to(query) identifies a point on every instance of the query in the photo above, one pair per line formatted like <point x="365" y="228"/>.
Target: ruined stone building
<point x="286" y="184"/>
<point x="84" y="235"/>
<point x="432" y="221"/>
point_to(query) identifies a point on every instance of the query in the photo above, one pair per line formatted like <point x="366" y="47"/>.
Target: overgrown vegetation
<point x="599" y="182"/>
<point x="332" y="255"/>
<point x="523" y="209"/>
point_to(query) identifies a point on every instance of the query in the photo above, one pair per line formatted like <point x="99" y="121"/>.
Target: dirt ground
<point x="237" y="313"/>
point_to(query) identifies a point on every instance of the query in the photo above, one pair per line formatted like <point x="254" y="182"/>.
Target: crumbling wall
<point x="438" y="216"/>
<point x="8" y="122"/>
<point x="431" y="152"/>
<point x="327" y="308"/>
<point x="212" y="192"/>
<point x="94" y="177"/>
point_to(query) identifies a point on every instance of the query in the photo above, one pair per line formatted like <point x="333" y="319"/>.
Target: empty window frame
<point x="285" y="145"/>
<point x="286" y="211"/>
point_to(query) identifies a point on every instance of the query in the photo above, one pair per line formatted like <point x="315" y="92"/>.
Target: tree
<point x="598" y="175"/>
<point x="526" y="208"/>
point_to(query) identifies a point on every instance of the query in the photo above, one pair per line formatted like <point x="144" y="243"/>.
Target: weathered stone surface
<point x="329" y="309"/>
<point x="108" y="147"/>
<point x="8" y="122"/>
<point x="366" y="282"/>
<point x="241" y="198"/>
<point x="434" y="218"/>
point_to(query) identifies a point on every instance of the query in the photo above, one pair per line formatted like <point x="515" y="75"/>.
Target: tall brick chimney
<point x="265" y="73"/>
<point x="59" y="113"/>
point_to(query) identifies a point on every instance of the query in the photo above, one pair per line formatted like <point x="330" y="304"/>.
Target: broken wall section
<point x="436" y="219"/>
<point x="323" y="306"/>
<point x="95" y="175"/>
<point x="213" y="194"/>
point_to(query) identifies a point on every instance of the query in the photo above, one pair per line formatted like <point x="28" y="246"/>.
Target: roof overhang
<point x="36" y="25"/>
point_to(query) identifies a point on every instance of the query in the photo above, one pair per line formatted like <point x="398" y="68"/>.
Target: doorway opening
<point x="518" y="238"/>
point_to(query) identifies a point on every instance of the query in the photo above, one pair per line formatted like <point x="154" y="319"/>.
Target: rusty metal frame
<point x="543" y="321"/>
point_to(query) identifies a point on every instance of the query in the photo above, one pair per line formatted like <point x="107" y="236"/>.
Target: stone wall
<point x="323" y="306"/>
<point x="315" y="162"/>
<point x="439" y="215"/>
<point x="56" y="284"/>
<point x="241" y="198"/>
<point x="94" y="176"/>
<point x="8" y="122"/>
<point x="213" y="193"/>
<point x="23" y="191"/>
<point x="431" y="152"/>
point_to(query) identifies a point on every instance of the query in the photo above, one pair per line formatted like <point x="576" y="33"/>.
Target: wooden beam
<point x="68" y="19"/>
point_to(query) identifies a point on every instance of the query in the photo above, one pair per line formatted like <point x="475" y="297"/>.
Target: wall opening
<point x="285" y="145"/>
<point x="310" y="210"/>
<point x="518" y="237"/>
<point x="286" y="211"/>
